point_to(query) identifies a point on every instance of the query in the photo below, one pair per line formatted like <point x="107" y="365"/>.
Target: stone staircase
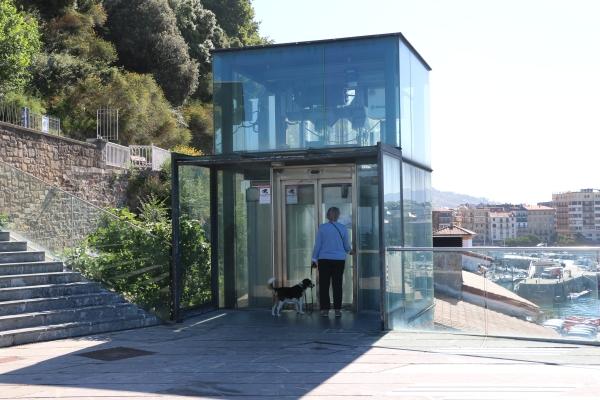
<point x="40" y="300"/>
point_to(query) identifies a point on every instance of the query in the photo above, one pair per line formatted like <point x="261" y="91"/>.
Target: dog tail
<point x="270" y="283"/>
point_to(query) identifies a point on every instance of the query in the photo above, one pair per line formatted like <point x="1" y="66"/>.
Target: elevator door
<point x="304" y="198"/>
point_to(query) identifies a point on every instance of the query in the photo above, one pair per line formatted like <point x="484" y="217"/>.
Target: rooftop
<point x="325" y="41"/>
<point x="454" y="231"/>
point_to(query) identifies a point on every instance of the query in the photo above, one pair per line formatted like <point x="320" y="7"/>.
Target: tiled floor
<point x="252" y="355"/>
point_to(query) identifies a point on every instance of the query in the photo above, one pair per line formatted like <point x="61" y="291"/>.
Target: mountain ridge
<point x="442" y="199"/>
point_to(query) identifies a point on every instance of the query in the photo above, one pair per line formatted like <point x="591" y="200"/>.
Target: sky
<point x="515" y="85"/>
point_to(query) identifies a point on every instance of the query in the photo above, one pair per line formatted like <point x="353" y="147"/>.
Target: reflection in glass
<point x="368" y="238"/>
<point x="300" y="229"/>
<point x="314" y="95"/>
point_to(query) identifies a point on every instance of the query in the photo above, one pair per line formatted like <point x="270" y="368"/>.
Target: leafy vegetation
<point x="523" y="241"/>
<point x="148" y="58"/>
<point x="19" y="43"/>
<point x="131" y="254"/>
<point x="3" y="221"/>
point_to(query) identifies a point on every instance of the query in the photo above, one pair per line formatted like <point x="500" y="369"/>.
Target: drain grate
<point x="115" y="354"/>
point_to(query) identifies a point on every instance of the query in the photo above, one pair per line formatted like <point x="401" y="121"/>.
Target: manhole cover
<point x="115" y="354"/>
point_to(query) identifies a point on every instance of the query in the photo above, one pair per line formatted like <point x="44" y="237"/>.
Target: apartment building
<point x="578" y="214"/>
<point x="541" y="222"/>
<point x="502" y="226"/>
<point x="442" y="218"/>
<point x="475" y="218"/>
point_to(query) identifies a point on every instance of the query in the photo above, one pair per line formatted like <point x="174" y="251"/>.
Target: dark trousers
<point x="331" y="272"/>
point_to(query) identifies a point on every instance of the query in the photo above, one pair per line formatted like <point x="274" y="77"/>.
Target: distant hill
<point x="452" y="200"/>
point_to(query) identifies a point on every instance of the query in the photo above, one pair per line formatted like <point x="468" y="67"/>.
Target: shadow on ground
<point x="221" y="354"/>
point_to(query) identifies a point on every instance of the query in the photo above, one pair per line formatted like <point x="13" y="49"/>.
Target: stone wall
<point x="73" y="166"/>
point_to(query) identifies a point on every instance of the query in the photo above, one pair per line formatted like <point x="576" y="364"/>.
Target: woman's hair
<point x="333" y="213"/>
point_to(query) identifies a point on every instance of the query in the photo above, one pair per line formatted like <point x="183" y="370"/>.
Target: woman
<point x="329" y="256"/>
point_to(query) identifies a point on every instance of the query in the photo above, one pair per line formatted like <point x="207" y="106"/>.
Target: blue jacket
<point x="331" y="243"/>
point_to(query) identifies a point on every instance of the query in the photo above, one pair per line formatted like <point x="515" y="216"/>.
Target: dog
<point x="286" y="295"/>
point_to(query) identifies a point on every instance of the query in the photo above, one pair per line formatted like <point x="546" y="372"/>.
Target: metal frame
<point x="396" y="153"/>
<point x="279" y="181"/>
<point x="177" y="313"/>
<point x="398" y="35"/>
<point x="294" y="158"/>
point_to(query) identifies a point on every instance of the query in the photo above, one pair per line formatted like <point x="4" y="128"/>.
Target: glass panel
<point x="406" y="141"/>
<point x="241" y="241"/>
<point x="300" y="229"/>
<point x="421" y="140"/>
<point x="361" y="82"/>
<point x="194" y="223"/>
<point x="368" y="238"/>
<point x="318" y="95"/>
<point x="392" y="229"/>
<point x="549" y="293"/>
<point x="245" y="252"/>
<point x="340" y="195"/>
<point x="259" y="240"/>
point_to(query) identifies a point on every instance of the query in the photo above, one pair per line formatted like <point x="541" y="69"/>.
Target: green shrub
<point x="131" y="255"/>
<point x="3" y="221"/>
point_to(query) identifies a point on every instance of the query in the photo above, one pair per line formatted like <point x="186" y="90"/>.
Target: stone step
<point x="35" y="267"/>
<point x="54" y="317"/>
<point x="65" y="289"/>
<point x="4" y="236"/>
<point x="12" y="246"/>
<point x="21" y="256"/>
<point x="56" y="303"/>
<point x="73" y="329"/>
<point x="45" y="278"/>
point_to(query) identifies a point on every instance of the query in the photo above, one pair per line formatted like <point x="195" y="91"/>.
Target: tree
<point x="199" y="119"/>
<point x="523" y="241"/>
<point x="144" y="114"/>
<point x="236" y="17"/>
<point x="46" y="8"/>
<point x="199" y="28"/>
<point x="19" y="43"/>
<point x="148" y="41"/>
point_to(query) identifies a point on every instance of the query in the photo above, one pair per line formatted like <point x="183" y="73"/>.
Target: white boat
<point x="573" y="296"/>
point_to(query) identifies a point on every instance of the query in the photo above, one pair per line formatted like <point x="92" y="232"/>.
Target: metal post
<point x="382" y="269"/>
<point x="214" y="237"/>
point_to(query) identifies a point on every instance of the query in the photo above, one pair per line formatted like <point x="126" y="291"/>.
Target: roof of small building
<point x="454" y="231"/>
<point x="537" y="208"/>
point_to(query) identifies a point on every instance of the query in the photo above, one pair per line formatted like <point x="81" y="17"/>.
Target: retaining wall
<point x="75" y="167"/>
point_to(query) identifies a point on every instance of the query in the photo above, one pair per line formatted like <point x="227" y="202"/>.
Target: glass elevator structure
<point x="299" y="128"/>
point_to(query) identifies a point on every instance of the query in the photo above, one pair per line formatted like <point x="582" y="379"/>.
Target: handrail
<point x="473" y="249"/>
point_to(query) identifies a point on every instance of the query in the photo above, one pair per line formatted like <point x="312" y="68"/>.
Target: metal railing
<point x="141" y="157"/>
<point x="534" y="292"/>
<point x="148" y="157"/>
<point x="23" y="116"/>
<point x="116" y="155"/>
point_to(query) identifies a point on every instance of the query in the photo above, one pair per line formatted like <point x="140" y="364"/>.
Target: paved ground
<point x="250" y="354"/>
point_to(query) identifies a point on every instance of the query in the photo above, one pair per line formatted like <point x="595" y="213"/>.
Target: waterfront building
<point x="541" y="222"/>
<point x="300" y="128"/>
<point x="502" y="226"/>
<point x="476" y="219"/>
<point x="578" y="214"/>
